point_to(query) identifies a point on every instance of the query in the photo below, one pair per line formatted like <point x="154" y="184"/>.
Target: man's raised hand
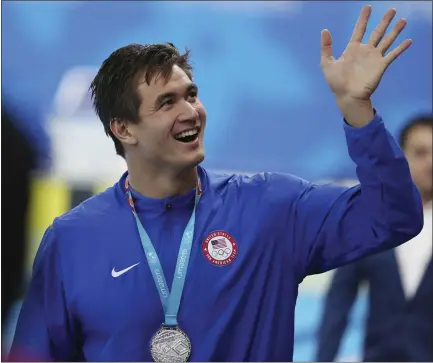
<point x="356" y="74"/>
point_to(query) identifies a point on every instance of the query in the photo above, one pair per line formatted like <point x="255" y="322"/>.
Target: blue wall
<point x="257" y="65"/>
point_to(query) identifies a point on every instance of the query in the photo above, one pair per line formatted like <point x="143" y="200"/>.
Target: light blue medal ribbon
<point x="170" y="300"/>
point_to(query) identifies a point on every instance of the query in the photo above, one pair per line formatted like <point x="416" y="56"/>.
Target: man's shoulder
<point x="93" y="211"/>
<point x="261" y="181"/>
<point x="77" y="235"/>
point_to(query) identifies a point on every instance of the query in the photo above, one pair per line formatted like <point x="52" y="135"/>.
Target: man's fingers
<point x="395" y="53"/>
<point x="361" y="25"/>
<point x="326" y="46"/>
<point x="380" y="30"/>
<point x="390" y="38"/>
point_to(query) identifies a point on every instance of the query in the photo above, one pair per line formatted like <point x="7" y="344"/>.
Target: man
<point x="242" y="244"/>
<point x="400" y="317"/>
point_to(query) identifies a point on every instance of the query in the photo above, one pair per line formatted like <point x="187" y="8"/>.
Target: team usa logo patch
<point x="220" y="248"/>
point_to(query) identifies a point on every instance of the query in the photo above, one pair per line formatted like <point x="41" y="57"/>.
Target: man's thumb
<point x="326" y="46"/>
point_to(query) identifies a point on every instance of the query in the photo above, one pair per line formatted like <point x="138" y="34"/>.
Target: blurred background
<point x="257" y="67"/>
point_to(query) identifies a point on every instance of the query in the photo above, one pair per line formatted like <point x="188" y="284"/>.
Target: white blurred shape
<point x="82" y="152"/>
<point x="73" y="92"/>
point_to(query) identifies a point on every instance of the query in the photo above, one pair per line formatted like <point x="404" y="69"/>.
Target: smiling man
<point x="176" y="263"/>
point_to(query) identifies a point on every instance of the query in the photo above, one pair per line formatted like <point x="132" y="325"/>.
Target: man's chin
<point x="199" y="158"/>
<point x="193" y="161"/>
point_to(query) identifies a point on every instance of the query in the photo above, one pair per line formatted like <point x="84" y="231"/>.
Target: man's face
<point x="419" y="150"/>
<point x="172" y="122"/>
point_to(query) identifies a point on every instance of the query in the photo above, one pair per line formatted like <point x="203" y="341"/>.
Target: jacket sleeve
<point x="328" y="226"/>
<point x="340" y="225"/>
<point x="338" y="303"/>
<point x="44" y="330"/>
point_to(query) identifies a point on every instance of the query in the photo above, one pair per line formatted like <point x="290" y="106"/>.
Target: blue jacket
<point x="397" y="329"/>
<point x="275" y="229"/>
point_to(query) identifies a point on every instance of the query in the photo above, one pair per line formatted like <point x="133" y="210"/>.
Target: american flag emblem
<point x="220" y="248"/>
<point x="219" y="243"/>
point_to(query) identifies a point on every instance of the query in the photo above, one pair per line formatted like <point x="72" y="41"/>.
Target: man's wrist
<point x="357" y="113"/>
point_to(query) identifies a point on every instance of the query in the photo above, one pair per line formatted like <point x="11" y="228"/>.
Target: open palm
<point x="357" y="73"/>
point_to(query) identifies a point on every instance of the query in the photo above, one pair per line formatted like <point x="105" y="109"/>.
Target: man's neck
<point x="161" y="183"/>
<point x="426" y="200"/>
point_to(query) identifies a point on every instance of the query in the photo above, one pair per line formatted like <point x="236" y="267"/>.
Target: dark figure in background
<point x="18" y="160"/>
<point x="400" y="308"/>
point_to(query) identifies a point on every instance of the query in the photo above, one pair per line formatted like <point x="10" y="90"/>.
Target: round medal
<point x="170" y="344"/>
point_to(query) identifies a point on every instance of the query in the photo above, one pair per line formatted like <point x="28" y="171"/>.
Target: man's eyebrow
<point x="192" y="87"/>
<point x="164" y="96"/>
<point x="167" y="95"/>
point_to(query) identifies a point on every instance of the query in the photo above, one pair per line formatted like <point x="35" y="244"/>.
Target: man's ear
<point x="120" y="129"/>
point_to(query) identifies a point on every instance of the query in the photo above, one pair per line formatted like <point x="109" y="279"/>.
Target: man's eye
<point x="192" y="95"/>
<point x="167" y="103"/>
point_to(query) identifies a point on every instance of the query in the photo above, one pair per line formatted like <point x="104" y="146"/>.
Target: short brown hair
<point x="420" y="120"/>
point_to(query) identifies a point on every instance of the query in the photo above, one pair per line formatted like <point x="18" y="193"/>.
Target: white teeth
<point x="186" y="133"/>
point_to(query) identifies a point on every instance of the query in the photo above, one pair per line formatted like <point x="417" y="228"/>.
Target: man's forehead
<point x="419" y="135"/>
<point x="177" y="81"/>
<point x="421" y="130"/>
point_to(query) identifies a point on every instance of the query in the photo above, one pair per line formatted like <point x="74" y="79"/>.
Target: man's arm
<point x="44" y="330"/>
<point x="335" y="226"/>
<point x="329" y="226"/>
<point x="338" y="303"/>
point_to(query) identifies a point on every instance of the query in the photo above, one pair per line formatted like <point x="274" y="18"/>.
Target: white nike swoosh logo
<point x="115" y="273"/>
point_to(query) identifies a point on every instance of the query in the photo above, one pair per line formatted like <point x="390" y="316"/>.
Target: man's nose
<point x="188" y="112"/>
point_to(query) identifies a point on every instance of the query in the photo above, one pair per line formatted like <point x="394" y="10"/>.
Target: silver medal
<point x="170" y="344"/>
